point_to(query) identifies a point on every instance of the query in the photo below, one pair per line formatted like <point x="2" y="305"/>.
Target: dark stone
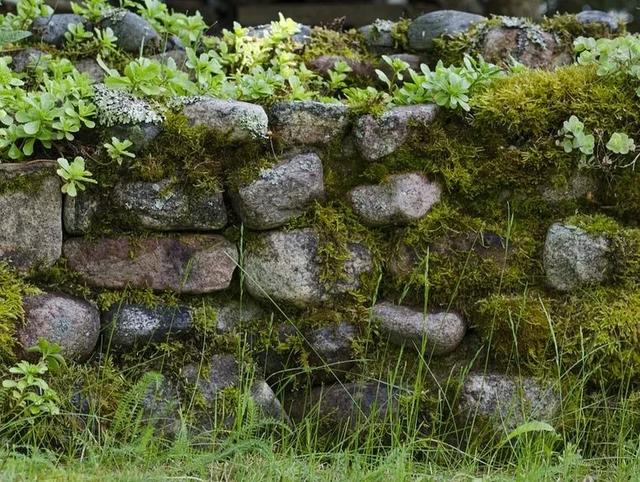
<point x="424" y="29"/>
<point x="134" y="32"/>
<point x="51" y="30"/>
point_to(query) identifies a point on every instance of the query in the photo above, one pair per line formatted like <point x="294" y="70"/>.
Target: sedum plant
<point x="117" y="149"/>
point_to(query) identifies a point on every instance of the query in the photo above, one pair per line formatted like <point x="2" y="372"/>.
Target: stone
<point x="280" y="193"/>
<point x="400" y="199"/>
<point x="140" y="135"/>
<point x="531" y="46"/>
<point x="187" y="263"/>
<point x="573" y="258"/>
<point x="164" y="206"/>
<point x="71" y="323"/>
<point x="504" y="402"/>
<point x="124" y="116"/>
<point x="135" y="34"/>
<point x="223" y="372"/>
<point x="324" y="63"/>
<point x="231" y="314"/>
<point x="331" y="346"/>
<point x="79" y="211"/>
<point x="346" y="405"/>
<point x="309" y="123"/>
<point x="51" y="30"/>
<point x="302" y="37"/>
<point x="579" y="186"/>
<point x="231" y="120"/>
<point x="126" y="325"/>
<point x="90" y="67"/>
<point x="610" y="22"/>
<point x="377" y="137"/>
<point x="424" y="29"/>
<point x="379" y="36"/>
<point x="283" y="266"/>
<point x="161" y="407"/>
<point x="31" y="213"/>
<point x="441" y="331"/>
<point x="26" y="59"/>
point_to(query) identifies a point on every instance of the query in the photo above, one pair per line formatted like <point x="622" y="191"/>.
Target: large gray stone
<point x="309" y="122"/>
<point x="573" y="257"/>
<point x="232" y="314"/>
<point x="31" y="213"/>
<point x="231" y="120"/>
<point x="280" y="193"/>
<point x="51" y="30"/>
<point x="441" y="331"/>
<point x="126" y="325"/>
<point x="71" y="323"/>
<point x="284" y="266"/>
<point x="348" y="405"/>
<point x="400" y="199"/>
<point x="134" y="33"/>
<point x="424" y="29"/>
<point x="165" y="206"/>
<point x="377" y="137"/>
<point x="504" y="402"/>
<point x="223" y="372"/>
<point x="379" y="36"/>
<point x="185" y="264"/>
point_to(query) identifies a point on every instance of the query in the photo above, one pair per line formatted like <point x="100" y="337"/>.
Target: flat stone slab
<point x="280" y="193"/>
<point x="441" y="331"/>
<point x="400" y="199"/>
<point x="309" y="122"/>
<point x="231" y="120"/>
<point x="31" y="213"/>
<point x="379" y="136"/>
<point x="72" y="323"/>
<point x="184" y="264"/>
<point x="284" y="266"/>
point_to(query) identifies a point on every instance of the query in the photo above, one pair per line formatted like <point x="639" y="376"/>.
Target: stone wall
<point x="329" y="235"/>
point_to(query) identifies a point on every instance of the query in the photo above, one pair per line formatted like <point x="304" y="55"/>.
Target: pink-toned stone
<point x="184" y="264"/>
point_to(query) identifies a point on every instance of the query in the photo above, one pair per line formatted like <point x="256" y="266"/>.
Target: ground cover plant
<point x="145" y="148"/>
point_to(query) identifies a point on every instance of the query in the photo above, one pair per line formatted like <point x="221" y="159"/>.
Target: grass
<point x="594" y="436"/>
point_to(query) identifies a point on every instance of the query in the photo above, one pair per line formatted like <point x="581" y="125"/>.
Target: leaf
<point x="12" y="36"/>
<point x="528" y="427"/>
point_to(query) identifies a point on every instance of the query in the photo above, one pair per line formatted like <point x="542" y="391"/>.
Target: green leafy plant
<point x="12" y="36"/>
<point x="76" y="34"/>
<point x="29" y="393"/>
<point x="117" y="149"/>
<point x="74" y="175"/>
<point x="621" y="143"/>
<point x="574" y="137"/>
<point x="338" y="76"/>
<point x="397" y="67"/>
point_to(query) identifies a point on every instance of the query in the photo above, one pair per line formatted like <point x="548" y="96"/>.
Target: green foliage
<point x="74" y="175"/>
<point x="574" y="137"/>
<point x="29" y="394"/>
<point x="450" y="87"/>
<point x="12" y="36"/>
<point x="117" y="149"/>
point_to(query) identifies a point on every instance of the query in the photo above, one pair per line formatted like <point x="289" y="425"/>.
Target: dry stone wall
<point x="264" y="259"/>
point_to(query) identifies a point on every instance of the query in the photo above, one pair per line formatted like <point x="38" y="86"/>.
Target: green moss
<point x="455" y="259"/>
<point x="349" y="44"/>
<point x="12" y="290"/>
<point x="147" y="297"/>
<point x="399" y="33"/>
<point x="535" y="103"/>
<point x="518" y="327"/>
<point x="567" y="28"/>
